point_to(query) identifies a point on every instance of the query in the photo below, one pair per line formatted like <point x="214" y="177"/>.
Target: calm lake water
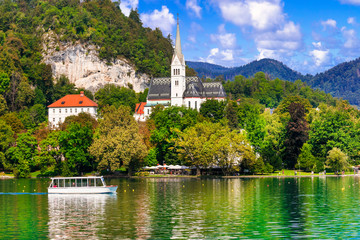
<point x="185" y="209"/>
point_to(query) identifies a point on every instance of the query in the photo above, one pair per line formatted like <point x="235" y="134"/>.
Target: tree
<point x="335" y="127"/>
<point x="3" y="106"/>
<point x="6" y="138"/>
<point x="195" y="144"/>
<point x="168" y="123"/>
<point x="273" y="145"/>
<point x="13" y="120"/>
<point x="62" y="88"/>
<point x="296" y="133"/>
<point x="231" y="114"/>
<point x="337" y="160"/>
<point x="306" y="159"/>
<point x="84" y="119"/>
<point x="150" y="159"/>
<point x="213" y="109"/>
<point x="22" y="157"/>
<point x="117" y="141"/>
<point x="4" y="82"/>
<point x="232" y="150"/>
<point x="50" y="155"/>
<point x="251" y="119"/>
<point x="74" y="144"/>
<point x="111" y="94"/>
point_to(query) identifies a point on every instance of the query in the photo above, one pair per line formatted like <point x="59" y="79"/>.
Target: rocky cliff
<point x="83" y="67"/>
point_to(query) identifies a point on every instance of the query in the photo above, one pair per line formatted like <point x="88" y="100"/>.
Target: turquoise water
<point x="179" y="208"/>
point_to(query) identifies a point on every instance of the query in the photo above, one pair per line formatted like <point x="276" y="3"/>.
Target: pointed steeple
<point x="177" y="50"/>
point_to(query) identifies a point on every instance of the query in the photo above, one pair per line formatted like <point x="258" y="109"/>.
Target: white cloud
<point x="329" y="23"/>
<point x="265" y="21"/>
<point x="287" y="38"/>
<point x="159" y="19"/>
<point x="353" y="2"/>
<point x="317" y="44"/>
<point x="320" y="57"/>
<point x="260" y="15"/>
<point x="351" y="20"/>
<point x="227" y="55"/>
<point x="193" y="6"/>
<point x="351" y="40"/>
<point x="127" y="5"/>
<point x="226" y="40"/>
<point x="216" y="56"/>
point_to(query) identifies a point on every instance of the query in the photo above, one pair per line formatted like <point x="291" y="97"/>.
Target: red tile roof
<point x="74" y="100"/>
<point x="139" y="109"/>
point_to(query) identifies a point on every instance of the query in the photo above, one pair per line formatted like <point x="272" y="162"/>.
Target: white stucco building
<point x="178" y="90"/>
<point x="71" y="104"/>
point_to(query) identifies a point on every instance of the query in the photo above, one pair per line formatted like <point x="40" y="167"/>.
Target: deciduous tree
<point x="117" y="141"/>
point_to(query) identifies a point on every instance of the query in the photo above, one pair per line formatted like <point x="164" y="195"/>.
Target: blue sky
<point x="309" y="36"/>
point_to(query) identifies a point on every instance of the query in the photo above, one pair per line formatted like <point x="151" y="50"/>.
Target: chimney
<point x="81" y="93"/>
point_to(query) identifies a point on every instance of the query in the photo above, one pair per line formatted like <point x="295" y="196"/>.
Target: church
<point x="178" y="90"/>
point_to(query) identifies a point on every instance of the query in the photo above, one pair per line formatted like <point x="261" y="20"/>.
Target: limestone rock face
<point x="84" y="68"/>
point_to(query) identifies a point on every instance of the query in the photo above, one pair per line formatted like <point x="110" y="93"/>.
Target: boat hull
<point x="82" y="190"/>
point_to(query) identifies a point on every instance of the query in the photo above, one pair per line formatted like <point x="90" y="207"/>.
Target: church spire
<point x="178" y="42"/>
<point x="177" y="50"/>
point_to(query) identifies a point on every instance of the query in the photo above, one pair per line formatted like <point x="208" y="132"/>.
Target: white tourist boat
<point x="80" y="185"/>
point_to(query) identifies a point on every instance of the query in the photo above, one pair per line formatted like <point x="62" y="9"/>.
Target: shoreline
<point x="213" y="177"/>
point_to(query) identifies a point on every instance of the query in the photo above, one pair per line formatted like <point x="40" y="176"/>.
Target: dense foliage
<point x="271" y="92"/>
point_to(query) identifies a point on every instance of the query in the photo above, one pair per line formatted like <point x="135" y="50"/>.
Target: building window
<point x="88" y="109"/>
<point x="53" y="119"/>
<point x="196" y="105"/>
<point x="59" y="119"/>
<point x="148" y="111"/>
<point x="176" y="95"/>
<point x="65" y="110"/>
<point x="176" y="83"/>
<point x="59" y="110"/>
<point x="82" y="110"/>
<point x="189" y="104"/>
<point x="70" y="110"/>
<point x="54" y="110"/>
<point x="75" y="110"/>
<point x="174" y="71"/>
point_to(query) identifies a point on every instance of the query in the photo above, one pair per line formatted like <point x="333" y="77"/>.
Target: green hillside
<point x="342" y="80"/>
<point x="101" y="23"/>
<point x="272" y="68"/>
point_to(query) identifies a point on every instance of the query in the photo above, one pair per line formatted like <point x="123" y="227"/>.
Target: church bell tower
<point x="178" y="78"/>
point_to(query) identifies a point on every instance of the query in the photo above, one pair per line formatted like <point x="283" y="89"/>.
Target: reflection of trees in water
<point x="76" y="216"/>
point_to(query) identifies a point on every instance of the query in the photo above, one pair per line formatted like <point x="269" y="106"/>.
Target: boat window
<point x="98" y="182"/>
<point x="84" y="182"/>
<point x="91" y="182"/>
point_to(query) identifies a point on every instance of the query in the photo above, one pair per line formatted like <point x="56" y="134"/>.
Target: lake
<point x="185" y="208"/>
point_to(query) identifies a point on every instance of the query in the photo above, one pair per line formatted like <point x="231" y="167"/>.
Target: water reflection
<point x="77" y="216"/>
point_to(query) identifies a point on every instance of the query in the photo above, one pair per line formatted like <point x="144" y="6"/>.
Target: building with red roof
<point x="139" y="112"/>
<point x="71" y="104"/>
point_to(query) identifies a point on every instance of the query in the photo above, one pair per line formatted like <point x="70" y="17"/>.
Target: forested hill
<point x="273" y="68"/>
<point x="342" y="80"/>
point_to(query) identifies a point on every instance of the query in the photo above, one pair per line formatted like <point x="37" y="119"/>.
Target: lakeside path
<point x="247" y="176"/>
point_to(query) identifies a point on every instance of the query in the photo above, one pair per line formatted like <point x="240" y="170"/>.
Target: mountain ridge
<point x="342" y="80"/>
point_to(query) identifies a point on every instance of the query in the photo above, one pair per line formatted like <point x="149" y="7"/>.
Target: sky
<point x="310" y="36"/>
